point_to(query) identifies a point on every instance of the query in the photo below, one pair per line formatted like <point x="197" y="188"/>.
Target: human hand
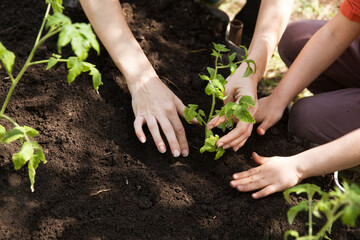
<point x="269" y="113"/>
<point x="274" y="174"/>
<point x="236" y="87"/>
<point x="155" y="104"/>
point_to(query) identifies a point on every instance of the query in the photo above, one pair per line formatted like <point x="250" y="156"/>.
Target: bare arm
<point x="279" y="173"/>
<point x="153" y="103"/>
<point x="319" y="53"/>
<point x="270" y="25"/>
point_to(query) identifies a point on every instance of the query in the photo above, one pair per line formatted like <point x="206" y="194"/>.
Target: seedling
<point x="215" y="88"/>
<point x="333" y="205"/>
<point x="82" y="39"/>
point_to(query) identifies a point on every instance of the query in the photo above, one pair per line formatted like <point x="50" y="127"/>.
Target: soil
<point x="100" y="182"/>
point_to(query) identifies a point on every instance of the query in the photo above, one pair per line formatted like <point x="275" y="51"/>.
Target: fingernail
<point x="233" y="184"/>
<point x="220" y="144"/>
<point x="162" y="149"/>
<point x="236" y="149"/>
<point x="254" y="195"/>
<point x="235" y="176"/>
<point x="185" y="153"/>
<point x="240" y="188"/>
<point x="142" y="140"/>
<point x="176" y="153"/>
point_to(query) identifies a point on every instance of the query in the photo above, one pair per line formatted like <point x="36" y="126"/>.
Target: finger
<point x="138" y="123"/>
<point x="257" y="184"/>
<point x="265" y="192"/>
<point x="180" y="107"/>
<point x="264" y="126"/>
<point x="245" y="174"/>
<point x="215" y="122"/>
<point x="180" y="135"/>
<point x="259" y="159"/>
<point x="238" y="146"/>
<point x="237" y="135"/>
<point x="169" y="132"/>
<point x="246" y="181"/>
<point x="155" y="133"/>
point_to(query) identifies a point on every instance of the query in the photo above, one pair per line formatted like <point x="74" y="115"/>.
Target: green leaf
<point x="219" y="152"/>
<point x="292" y="233"/>
<point x="293" y="211"/>
<point x="208" y="133"/>
<point x="75" y="66"/>
<point x="217" y="84"/>
<point x="221" y="79"/>
<point x="220" y="47"/>
<point x="216" y="54"/>
<point x="233" y="67"/>
<point x="2" y="131"/>
<point x="88" y="34"/>
<point x="210" y="144"/>
<point x="57" y="20"/>
<point x="56" y="5"/>
<point x="14" y="134"/>
<point x="232" y="57"/>
<point x="190" y="112"/>
<point x="30" y="131"/>
<point x="25" y="154"/>
<point x="248" y="72"/>
<point x="350" y="215"/>
<point x="51" y="63"/>
<point x="210" y="89"/>
<point x="204" y="77"/>
<point x="7" y="58"/>
<point x="308" y="188"/>
<point x="248" y="100"/>
<point x="241" y="113"/>
<point x="96" y="77"/>
<point x="66" y="35"/>
<point x="211" y="72"/>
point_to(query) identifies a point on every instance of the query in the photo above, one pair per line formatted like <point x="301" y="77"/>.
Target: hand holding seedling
<point x="81" y="38"/>
<point x="215" y="88"/>
<point x="155" y="104"/>
<point x="236" y="87"/>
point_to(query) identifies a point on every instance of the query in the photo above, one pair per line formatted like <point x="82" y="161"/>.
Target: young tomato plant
<point x="82" y="39"/>
<point x="215" y="88"/>
<point x="333" y="205"/>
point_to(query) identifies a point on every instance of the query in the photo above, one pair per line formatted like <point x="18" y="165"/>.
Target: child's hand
<point x="273" y="175"/>
<point x="269" y="113"/>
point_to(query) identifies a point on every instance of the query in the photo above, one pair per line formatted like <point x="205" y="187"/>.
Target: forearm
<point x="109" y="22"/>
<point x="337" y="155"/>
<point x="271" y="23"/>
<point x="319" y="53"/>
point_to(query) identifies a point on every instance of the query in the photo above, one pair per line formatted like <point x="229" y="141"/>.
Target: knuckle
<point x="180" y="130"/>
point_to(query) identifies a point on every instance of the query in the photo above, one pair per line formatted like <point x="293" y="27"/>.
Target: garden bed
<point x="100" y="182"/>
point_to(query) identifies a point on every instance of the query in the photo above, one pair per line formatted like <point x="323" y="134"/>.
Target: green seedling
<point x="333" y="205"/>
<point x="215" y="88"/>
<point x="81" y="38"/>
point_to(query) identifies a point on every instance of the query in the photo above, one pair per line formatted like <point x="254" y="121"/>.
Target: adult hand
<point x="236" y="87"/>
<point x="155" y="104"/>
<point x="274" y="174"/>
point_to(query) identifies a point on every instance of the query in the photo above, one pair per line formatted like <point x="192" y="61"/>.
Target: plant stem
<point x="310" y="213"/>
<point x="38" y="42"/>
<point x="329" y="222"/>
<point x="46" y="61"/>
<point x="15" y="124"/>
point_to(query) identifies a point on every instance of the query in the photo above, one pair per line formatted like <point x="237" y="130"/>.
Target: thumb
<point x="264" y="126"/>
<point x="259" y="159"/>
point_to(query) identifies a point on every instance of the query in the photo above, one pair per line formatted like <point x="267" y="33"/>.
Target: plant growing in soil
<point x="82" y="39"/>
<point x="333" y="205"/>
<point x="215" y="88"/>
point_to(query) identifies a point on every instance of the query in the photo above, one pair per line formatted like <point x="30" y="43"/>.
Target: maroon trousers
<point x="334" y="110"/>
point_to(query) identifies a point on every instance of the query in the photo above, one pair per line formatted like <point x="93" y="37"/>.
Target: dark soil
<point x="100" y="182"/>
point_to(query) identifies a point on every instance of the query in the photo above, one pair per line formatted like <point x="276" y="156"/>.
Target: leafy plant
<point x="333" y="205"/>
<point x="81" y="38"/>
<point x="215" y="88"/>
